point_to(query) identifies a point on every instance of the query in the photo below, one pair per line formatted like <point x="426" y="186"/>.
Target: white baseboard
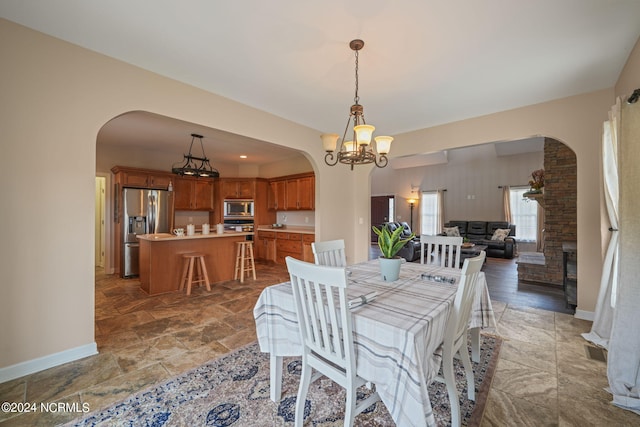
<point x="584" y="315"/>
<point x="41" y="363"/>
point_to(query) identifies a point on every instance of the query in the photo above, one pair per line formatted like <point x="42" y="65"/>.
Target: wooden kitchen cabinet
<point x="306" y="193"/>
<point x="300" y="194"/>
<point x="238" y="188"/>
<point x="307" y="251"/>
<point x="142" y="178"/>
<point x="295" y="192"/>
<point x="266" y="245"/>
<point x="193" y="194"/>
<point x="288" y="244"/>
<point x="277" y="193"/>
<point x="276" y="246"/>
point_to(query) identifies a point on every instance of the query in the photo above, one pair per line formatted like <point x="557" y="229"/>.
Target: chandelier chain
<point x="356" y="98"/>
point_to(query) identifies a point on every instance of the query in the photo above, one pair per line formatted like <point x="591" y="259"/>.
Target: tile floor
<point x="543" y="376"/>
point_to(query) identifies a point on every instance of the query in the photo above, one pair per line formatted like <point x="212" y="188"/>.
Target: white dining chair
<point x="455" y="337"/>
<point x="324" y="320"/>
<point x="440" y="250"/>
<point x="330" y="252"/>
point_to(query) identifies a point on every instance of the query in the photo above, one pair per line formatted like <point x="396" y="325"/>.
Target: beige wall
<point x="56" y="97"/>
<point x="290" y="166"/>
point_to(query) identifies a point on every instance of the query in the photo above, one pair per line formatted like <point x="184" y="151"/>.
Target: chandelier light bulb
<point x="364" y="134"/>
<point x="349" y="146"/>
<point x="329" y="141"/>
<point x="383" y="144"/>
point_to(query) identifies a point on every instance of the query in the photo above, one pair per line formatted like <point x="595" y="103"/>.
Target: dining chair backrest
<point x="330" y="252"/>
<point x="324" y="321"/>
<point x="455" y="338"/>
<point x="320" y="295"/>
<point x="465" y="295"/>
<point x="441" y="250"/>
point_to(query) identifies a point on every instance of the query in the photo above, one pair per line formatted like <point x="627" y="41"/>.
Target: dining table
<point x="396" y="333"/>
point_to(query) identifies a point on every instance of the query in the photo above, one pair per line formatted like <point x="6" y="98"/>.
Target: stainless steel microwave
<point x="238" y="208"/>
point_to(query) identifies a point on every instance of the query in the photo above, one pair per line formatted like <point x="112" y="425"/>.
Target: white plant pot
<point x="390" y="268"/>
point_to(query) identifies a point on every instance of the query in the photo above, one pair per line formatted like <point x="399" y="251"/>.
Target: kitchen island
<point x="161" y="258"/>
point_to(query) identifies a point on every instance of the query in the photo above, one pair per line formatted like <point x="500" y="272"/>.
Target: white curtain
<point x="623" y="363"/>
<point x="603" y="319"/>
<point x="440" y="196"/>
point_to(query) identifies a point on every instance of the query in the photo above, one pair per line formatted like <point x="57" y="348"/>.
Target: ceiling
<point x="424" y="63"/>
<point x="155" y="132"/>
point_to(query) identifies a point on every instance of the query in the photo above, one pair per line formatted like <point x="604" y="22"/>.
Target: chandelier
<point x="357" y="150"/>
<point x="196" y="166"/>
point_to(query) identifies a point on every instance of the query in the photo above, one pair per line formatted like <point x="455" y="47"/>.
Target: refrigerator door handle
<point x="153" y="207"/>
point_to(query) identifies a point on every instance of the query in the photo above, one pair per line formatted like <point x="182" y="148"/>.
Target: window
<point x="524" y="214"/>
<point x="429" y="212"/>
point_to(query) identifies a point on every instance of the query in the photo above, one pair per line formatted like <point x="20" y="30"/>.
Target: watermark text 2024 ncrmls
<point x="23" y="407"/>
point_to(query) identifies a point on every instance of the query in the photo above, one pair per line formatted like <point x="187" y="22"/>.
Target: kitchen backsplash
<point x="300" y="218"/>
<point x="191" y="217"/>
<point x="304" y="218"/>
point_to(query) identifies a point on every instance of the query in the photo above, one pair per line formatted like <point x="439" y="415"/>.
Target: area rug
<point x="234" y="391"/>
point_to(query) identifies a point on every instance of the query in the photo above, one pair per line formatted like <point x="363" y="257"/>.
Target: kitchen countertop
<point x="167" y="236"/>
<point x="288" y="229"/>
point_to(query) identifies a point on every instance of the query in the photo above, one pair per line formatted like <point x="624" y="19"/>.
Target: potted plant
<point x="390" y="242"/>
<point x="536" y="182"/>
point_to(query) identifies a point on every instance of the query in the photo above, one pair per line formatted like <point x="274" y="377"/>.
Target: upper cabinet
<point x="300" y="193"/>
<point x="142" y="178"/>
<point x="277" y="193"/>
<point x="233" y="188"/>
<point x="296" y="192"/>
<point x="194" y="194"/>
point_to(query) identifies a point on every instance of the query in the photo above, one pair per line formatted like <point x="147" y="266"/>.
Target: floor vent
<point x="596" y="353"/>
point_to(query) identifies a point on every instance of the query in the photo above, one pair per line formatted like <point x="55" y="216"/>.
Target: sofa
<point x="411" y="250"/>
<point x="500" y="244"/>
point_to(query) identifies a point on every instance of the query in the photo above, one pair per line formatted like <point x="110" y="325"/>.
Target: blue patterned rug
<point x="234" y="391"/>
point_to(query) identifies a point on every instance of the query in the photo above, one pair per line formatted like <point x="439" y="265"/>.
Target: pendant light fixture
<point x="357" y="150"/>
<point x="196" y="166"/>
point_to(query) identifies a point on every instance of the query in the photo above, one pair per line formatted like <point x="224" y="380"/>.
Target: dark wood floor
<point x="503" y="284"/>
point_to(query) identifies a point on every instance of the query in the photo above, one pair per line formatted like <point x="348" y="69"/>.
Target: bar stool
<point x="244" y="260"/>
<point x="187" y="271"/>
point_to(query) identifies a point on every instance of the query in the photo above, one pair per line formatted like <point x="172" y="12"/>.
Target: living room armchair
<point x="411" y="250"/>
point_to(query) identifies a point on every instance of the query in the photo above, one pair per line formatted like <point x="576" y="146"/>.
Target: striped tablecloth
<point x="395" y="335"/>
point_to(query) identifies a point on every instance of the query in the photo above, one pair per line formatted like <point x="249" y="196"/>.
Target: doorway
<point x="382" y="210"/>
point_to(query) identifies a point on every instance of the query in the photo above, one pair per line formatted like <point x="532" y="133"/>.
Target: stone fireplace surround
<point x="560" y="215"/>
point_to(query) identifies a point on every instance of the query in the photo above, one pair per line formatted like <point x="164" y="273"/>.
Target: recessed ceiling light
<point x="242" y="156"/>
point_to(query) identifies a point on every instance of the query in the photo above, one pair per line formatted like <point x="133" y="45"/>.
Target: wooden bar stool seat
<point x="194" y="261"/>
<point x="244" y="260"/>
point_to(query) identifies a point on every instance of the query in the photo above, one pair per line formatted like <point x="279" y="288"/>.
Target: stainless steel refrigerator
<point x="144" y="212"/>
